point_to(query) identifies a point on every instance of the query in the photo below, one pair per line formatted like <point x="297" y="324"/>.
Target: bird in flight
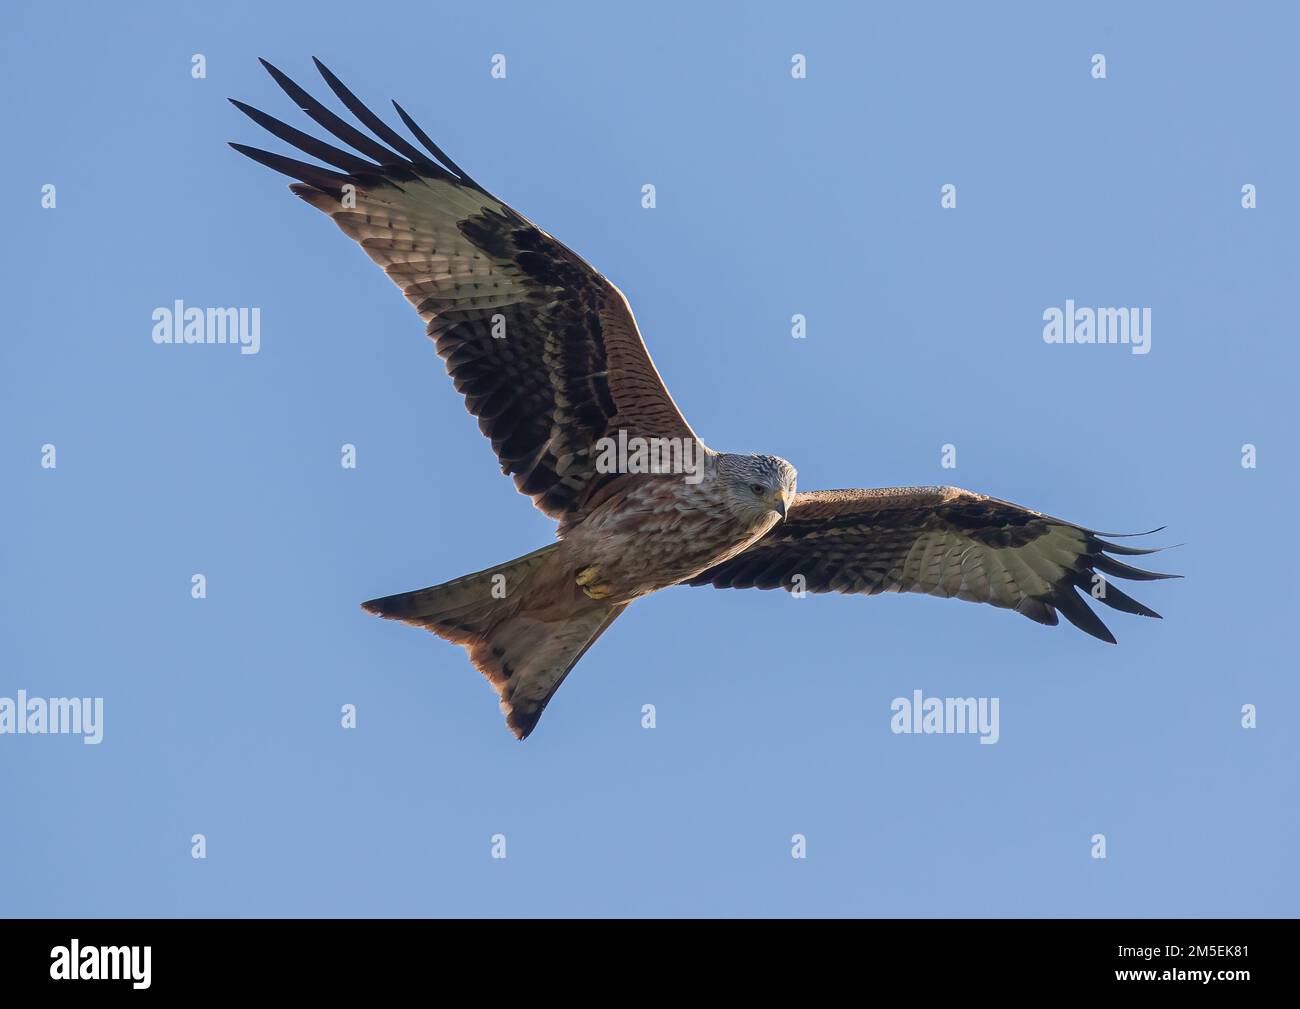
<point x="549" y="359"/>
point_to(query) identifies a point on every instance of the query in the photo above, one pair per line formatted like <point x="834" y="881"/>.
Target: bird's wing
<point x="544" y="348"/>
<point x="943" y="541"/>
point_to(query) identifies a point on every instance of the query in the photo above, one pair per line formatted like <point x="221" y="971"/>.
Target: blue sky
<point x="776" y="196"/>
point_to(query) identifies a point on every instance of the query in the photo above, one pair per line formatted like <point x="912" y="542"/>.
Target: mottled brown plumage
<point x="549" y="359"/>
<point x="942" y="541"/>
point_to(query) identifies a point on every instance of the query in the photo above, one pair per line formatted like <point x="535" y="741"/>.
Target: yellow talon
<point x="594" y="589"/>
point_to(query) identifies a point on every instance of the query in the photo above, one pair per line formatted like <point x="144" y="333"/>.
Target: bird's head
<point x="757" y="488"/>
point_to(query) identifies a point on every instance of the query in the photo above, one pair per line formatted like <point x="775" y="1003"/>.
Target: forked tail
<point x="523" y="630"/>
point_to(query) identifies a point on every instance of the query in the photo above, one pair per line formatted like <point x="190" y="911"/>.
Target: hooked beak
<point x="780" y="503"/>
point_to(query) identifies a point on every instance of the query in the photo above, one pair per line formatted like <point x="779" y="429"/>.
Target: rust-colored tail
<point x="525" y="644"/>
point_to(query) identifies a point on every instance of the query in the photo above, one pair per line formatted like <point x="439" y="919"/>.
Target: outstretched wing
<point x="544" y="348"/>
<point x="943" y="541"/>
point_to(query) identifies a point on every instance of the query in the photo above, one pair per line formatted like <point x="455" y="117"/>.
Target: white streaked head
<point x="757" y="488"/>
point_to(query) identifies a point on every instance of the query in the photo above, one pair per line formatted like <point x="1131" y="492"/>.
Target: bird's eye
<point x="757" y="488"/>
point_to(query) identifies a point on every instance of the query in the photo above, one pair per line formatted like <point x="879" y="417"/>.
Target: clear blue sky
<point x="775" y="196"/>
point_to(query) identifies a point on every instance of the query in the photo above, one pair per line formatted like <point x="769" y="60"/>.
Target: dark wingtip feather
<point x="1119" y="548"/>
<point x="1075" y="610"/>
<point x="272" y="69"/>
<point x="306" y="143"/>
<point x="377" y="126"/>
<point x="1110" y="566"/>
<point x="401" y="161"/>
<point x="434" y="149"/>
<point x="328" y="120"/>
<point x="1112" y="596"/>
<point x="1126" y="536"/>
<point x="1122" y="601"/>
<point x="321" y="178"/>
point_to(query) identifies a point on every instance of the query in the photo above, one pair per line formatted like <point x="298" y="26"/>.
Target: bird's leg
<point x="592" y="587"/>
